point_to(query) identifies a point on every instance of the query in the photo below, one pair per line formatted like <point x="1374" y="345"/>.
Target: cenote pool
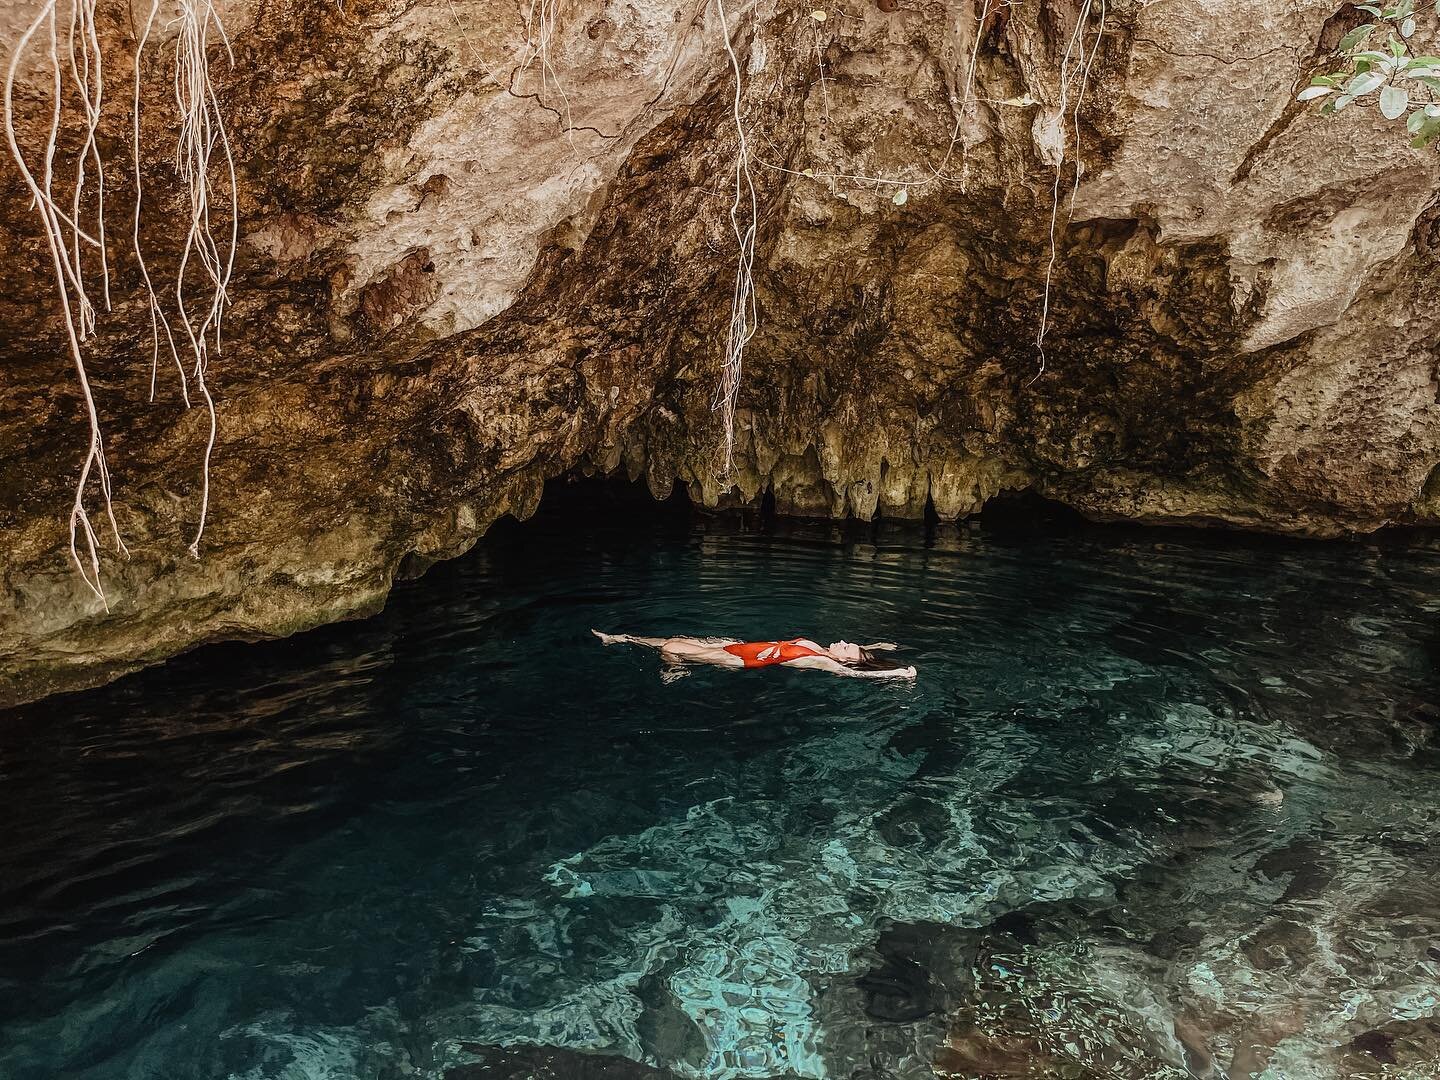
<point x="1158" y="805"/>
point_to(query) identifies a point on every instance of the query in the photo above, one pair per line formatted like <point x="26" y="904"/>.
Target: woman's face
<point x="843" y="650"/>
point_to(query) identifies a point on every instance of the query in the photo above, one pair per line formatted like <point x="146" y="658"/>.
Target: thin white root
<point x="202" y="130"/>
<point x="744" y="219"/>
<point x="158" y="321"/>
<point x="929" y="174"/>
<point x="967" y="98"/>
<point x="744" y="315"/>
<point x="1080" y="102"/>
<point x="1077" y="36"/>
<point x="66" y="256"/>
<point x="542" y="18"/>
<point x="88" y="73"/>
<point x="818" y="47"/>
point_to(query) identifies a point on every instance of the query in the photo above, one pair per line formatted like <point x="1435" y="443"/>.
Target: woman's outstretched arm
<point x="835" y="667"/>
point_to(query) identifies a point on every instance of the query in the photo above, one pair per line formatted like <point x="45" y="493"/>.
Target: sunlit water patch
<point x="1158" y="805"/>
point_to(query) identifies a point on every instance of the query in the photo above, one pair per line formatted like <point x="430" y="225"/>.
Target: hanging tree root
<point x="542" y="18"/>
<point x="744" y="221"/>
<point x="158" y="320"/>
<point x="1076" y="55"/>
<point x="202" y="131"/>
<point x="744" y="213"/>
<point x="67" y="255"/>
<point x="928" y="173"/>
<point x="1086" y="61"/>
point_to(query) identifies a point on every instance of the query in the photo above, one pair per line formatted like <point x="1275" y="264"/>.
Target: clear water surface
<point x="1158" y="805"/>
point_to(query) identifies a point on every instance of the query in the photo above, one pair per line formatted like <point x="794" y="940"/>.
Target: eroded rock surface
<point x="467" y="264"/>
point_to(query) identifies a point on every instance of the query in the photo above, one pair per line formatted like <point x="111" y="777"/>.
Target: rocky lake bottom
<point x="1158" y="805"/>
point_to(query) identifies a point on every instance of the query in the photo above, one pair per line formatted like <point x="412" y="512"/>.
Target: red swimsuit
<point x="764" y="653"/>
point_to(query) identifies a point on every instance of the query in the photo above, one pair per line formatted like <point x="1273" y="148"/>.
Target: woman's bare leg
<point x="680" y="650"/>
<point x="630" y="639"/>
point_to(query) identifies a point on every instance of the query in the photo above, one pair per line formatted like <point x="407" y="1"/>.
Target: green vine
<point x="1391" y="77"/>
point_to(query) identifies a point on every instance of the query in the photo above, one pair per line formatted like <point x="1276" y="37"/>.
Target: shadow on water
<point x="1159" y="804"/>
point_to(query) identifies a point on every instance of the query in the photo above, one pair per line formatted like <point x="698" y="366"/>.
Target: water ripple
<point x="1154" y="801"/>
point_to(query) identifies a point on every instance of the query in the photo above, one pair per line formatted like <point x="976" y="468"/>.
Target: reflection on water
<point x="1159" y="805"/>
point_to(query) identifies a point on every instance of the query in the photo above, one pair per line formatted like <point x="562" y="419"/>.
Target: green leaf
<point x="1328" y="109"/>
<point x="1407" y="27"/>
<point x="1393" y="102"/>
<point x="1428" y="80"/>
<point x="1373" y="10"/>
<point x="1327" y="80"/>
<point x="1342" y="101"/>
<point x="1415" y="121"/>
<point x="901" y="197"/>
<point x="1397" y="47"/>
<point x="1310" y="93"/>
<point x="1432" y="110"/>
<point x="1356" y="36"/>
<point x="1364" y="84"/>
<point x="1423" y="61"/>
<point x="1427" y="132"/>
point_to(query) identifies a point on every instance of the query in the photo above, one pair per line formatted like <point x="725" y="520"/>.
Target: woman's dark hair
<point x="870" y="662"/>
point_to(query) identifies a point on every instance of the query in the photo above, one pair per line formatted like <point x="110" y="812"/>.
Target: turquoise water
<point x="1158" y="805"/>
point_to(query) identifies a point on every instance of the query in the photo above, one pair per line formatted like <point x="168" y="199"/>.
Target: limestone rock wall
<point x="467" y="264"/>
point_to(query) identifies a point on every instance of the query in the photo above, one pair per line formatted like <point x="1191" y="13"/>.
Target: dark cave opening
<point x="615" y="500"/>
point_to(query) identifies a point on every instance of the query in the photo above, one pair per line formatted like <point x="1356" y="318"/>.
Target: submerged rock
<point x="552" y="1063"/>
<point x="1403" y="1044"/>
<point x="465" y="267"/>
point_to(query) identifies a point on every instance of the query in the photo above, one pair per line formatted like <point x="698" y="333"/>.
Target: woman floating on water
<point x="838" y="658"/>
